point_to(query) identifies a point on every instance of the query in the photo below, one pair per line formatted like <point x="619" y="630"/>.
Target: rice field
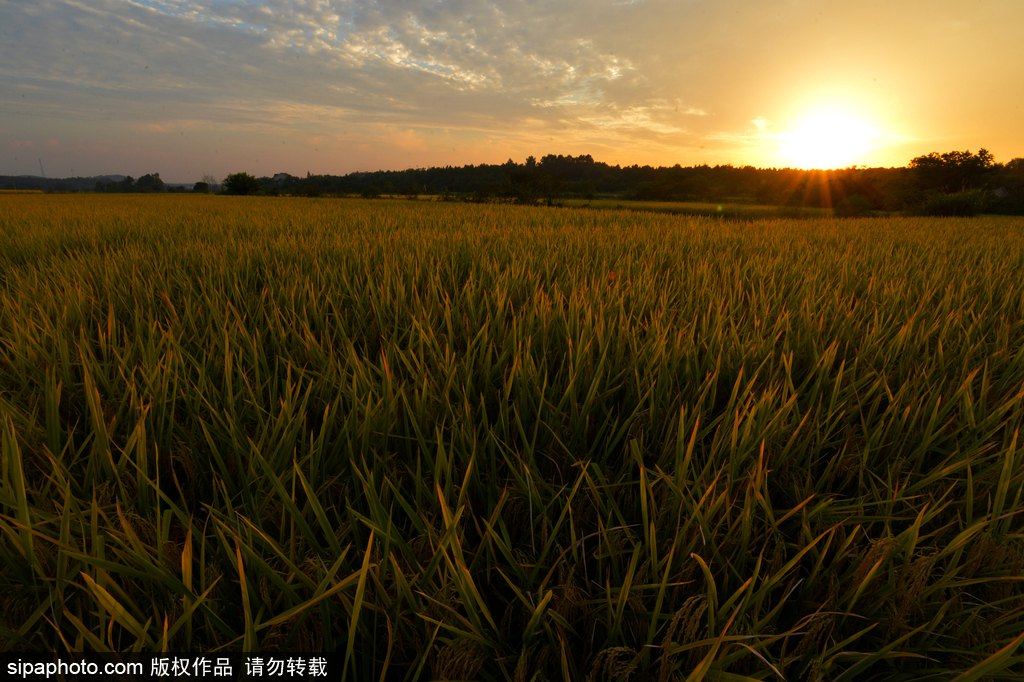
<point x="493" y="442"/>
<point x="728" y="211"/>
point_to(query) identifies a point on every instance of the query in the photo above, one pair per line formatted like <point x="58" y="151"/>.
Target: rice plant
<point x="509" y="443"/>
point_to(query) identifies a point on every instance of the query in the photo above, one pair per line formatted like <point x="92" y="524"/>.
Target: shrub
<point x="311" y="191"/>
<point x="1008" y="204"/>
<point x="242" y="184"/>
<point x="853" y="206"/>
<point x="966" y="203"/>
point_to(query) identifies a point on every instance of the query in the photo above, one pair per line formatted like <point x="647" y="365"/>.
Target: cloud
<point x="367" y="57"/>
<point x="656" y="77"/>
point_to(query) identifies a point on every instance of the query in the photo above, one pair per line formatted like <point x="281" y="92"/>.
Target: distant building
<point x="281" y="177"/>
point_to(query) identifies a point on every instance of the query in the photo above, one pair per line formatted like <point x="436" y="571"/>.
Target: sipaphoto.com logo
<point x="28" y="669"/>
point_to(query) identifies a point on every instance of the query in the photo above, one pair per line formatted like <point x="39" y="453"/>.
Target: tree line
<point x="147" y="183"/>
<point x="152" y="183"/>
<point x="949" y="183"/>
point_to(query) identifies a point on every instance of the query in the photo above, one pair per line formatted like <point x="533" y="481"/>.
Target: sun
<point x="826" y="140"/>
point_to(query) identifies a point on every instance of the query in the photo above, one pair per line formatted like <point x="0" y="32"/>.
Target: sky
<point x="188" y="88"/>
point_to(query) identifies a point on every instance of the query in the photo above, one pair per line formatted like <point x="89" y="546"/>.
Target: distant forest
<point x="950" y="183"/>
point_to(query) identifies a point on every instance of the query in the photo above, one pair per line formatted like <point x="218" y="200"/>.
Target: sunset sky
<point x="188" y="87"/>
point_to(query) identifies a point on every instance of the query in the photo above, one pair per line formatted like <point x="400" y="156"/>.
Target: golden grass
<point x="487" y="441"/>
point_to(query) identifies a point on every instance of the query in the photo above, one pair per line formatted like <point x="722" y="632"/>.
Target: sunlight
<point x="826" y="140"/>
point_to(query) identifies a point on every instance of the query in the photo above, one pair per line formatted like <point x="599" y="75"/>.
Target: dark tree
<point x="952" y="171"/>
<point x="1008" y="195"/>
<point x="241" y="184"/>
<point x="201" y="187"/>
<point x="150" y="183"/>
<point x="308" y="190"/>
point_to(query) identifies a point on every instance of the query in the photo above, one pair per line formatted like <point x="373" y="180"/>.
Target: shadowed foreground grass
<point x="503" y="443"/>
